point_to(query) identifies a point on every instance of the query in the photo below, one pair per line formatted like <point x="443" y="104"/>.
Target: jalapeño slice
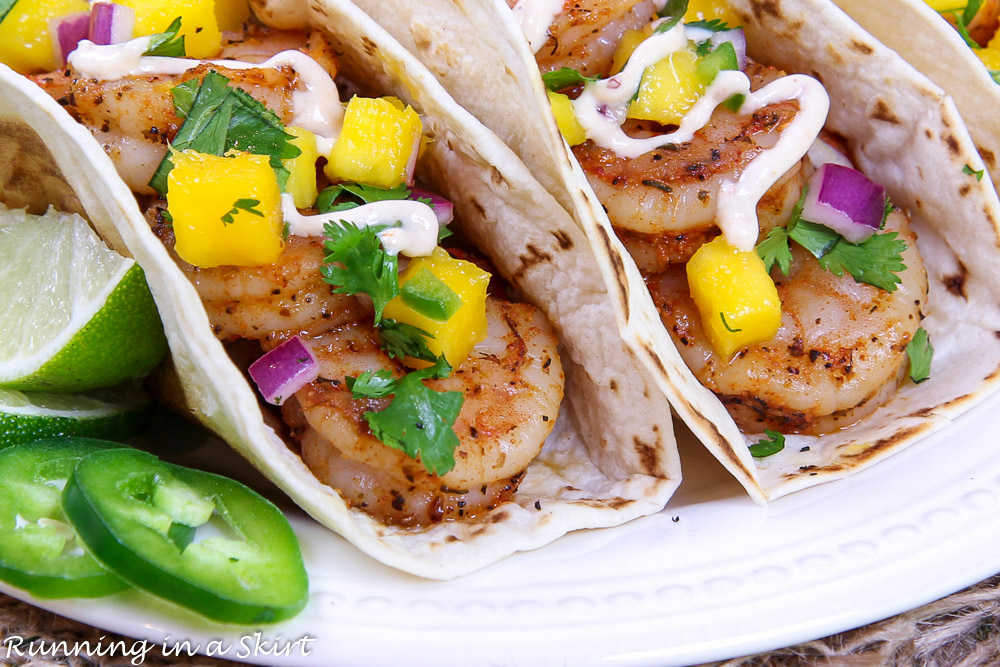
<point x="199" y="540"/>
<point x="38" y="548"/>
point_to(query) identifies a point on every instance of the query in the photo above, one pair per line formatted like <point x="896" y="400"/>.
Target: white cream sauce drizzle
<point x="316" y="107"/>
<point x="603" y="107"/>
<point x="416" y="235"/>
<point x="535" y="17"/>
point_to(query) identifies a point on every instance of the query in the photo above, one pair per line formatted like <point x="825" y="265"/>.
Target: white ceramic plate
<point x="712" y="576"/>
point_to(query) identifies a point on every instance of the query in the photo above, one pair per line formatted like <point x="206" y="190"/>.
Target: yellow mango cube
<point x="990" y="57"/>
<point x="25" y="43"/>
<point x="202" y="38"/>
<point x="231" y="14"/>
<point x="562" y="109"/>
<point x="455" y="337"/>
<point x="378" y="143"/>
<point x="631" y="39"/>
<point x="225" y="210"/>
<point x="668" y="89"/>
<point x="736" y="297"/>
<point x="302" y="169"/>
<point x="706" y="10"/>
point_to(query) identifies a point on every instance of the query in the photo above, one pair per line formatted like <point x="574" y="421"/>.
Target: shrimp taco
<point x="792" y="195"/>
<point x="956" y="43"/>
<point x="411" y="398"/>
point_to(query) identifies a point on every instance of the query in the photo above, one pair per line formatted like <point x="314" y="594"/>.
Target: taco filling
<point x="790" y="284"/>
<point x="404" y="385"/>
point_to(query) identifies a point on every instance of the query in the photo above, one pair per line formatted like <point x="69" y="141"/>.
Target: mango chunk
<point x="706" y="10"/>
<point x="456" y="336"/>
<point x="626" y="46"/>
<point x="231" y="14"/>
<point x="301" y="182"/>
<point x="202" y="38"/>
<point x="225" y="210"/>
<point x="735" y="296"/>
<point x="377" y="145"/>
<point x="569" y="126"/>
<point x="668" y="89"/>
<point x="25" y="43"/>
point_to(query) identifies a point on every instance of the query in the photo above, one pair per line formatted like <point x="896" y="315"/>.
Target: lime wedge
<point x="112" y="414"/>
<point x="74" y="315"/>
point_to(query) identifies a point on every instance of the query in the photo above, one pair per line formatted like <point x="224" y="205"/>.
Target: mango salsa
<point x="456" y="336"/>
<point x="202" y="38"/>
<point x="302" y="169"/>
<point x="225" y="210"/>
<point x="706" y="10"/>
<point x="668" y="89"/>
<point x="562" y="109"/>
<point x="376" y="143"/>
<point x="231" y="14"/>
<point x="25" y="43"/>
<point x="626" y="46"/>
<point x="736" y="297"/>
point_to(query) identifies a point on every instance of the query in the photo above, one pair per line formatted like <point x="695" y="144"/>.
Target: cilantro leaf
<point x="972" y="172"/>
<point x="726" y="324"/>
<point x="875" y="261"/>
<point x="169" y="43"/>
<point x="774" y="250"/>
<point x="715" y="25"/>
<point x="184" y="95"/>
<point x="885" y="212"/>
<point x="773" y="443"/>
<point x="920" y="352"/>
<point x="5" y="7"/>
<point x="815" y="238"/>
<point x="971" y="9"/>
<point x="420" y="421"/>
<point x="248" y="205"/>
<point x="371" y="385"/>
<point x="673" y="11"/>
<point x="565" y="77"/>
<point x="366" y="267"/>
<point x="367" y="194"/>
<point x="995" y="75"/>
<point x="222" y="118"/>
<point x="404" y="340"/>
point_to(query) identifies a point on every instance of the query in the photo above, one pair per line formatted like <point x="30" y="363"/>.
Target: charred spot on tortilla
<point x="564" y="240"/>
<point x="613" y="385"/>
<point x="619" y="268"/>
<point x="649" y="456"/>
<point x="766" y="7"/>
<point x="881" y="111"/>
<point x="988" y="157"/>
<point x="952" y="144"/>
<point x="965" y="190"/>
<point x="861" y="47"/>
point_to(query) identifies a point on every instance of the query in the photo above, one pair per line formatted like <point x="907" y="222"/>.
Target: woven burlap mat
<point x="962" y="630"/>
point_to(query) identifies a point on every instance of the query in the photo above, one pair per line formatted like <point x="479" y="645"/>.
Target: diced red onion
<point x="284" y="370"/>
<point x="66" y="32"/>
<point x="739" y="40"/>
<point x="443" y="209"/>
<point x="111" y="23"/>
<point x="846" y="201"/>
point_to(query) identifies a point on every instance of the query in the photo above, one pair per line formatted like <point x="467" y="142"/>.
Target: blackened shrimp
<point x="512" y="383"/>
<point x="840" y="350"/>
<point x="663" y="204"/>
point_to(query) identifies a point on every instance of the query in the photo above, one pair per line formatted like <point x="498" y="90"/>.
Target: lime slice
<point x="74" y="315"/>
<point x="113" y="414"/>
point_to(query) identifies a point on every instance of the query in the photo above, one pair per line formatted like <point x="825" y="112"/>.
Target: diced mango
<point x="736" y="297"/>
<point x="706" y="10"/>
<point x="562" y="109"/>
<point x="202" y="38"/>
<point x="302" y="169"/>
<point x="626" y="46"/>
<point x="231" y="14"/>
<point x="990" y="57"/>
<point x="945" y="5"/>
<point x="668" y="89"/>
<point x="455" y="337"/>
<point x="377" y="142"/>
<point x="215" y="221"/>
<point x="25" y="43"/>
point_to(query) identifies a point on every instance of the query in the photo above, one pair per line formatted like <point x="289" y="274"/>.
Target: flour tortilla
<point x="933" y="46"/>
<point x="611" y="457"/>
<point x="900" y="129"/>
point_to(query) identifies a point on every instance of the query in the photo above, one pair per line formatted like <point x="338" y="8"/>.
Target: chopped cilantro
<point x="419" y="420"/>
<point x="184" y="95"/>
<point x="885" y="212"/>
<point x="5" y="7"/>
<point x="367" y="194"/>
<point x="248" y="205"/>
<point x="673" y="11"/>
<point x="920" y="352"/>
<point x="774" y="250"/>
<point x="565" y="77"/>
<point x="169" y="43"/>
<point x="222" y="118"/>
<point x="726" y="324"/>
<point x="817" y="239"/>
<point x="971" y="9"/>
<point x="972" y="172"/>
<point x="773" y="443"/>
<point x="715" y="25"/>
<point x="366" y="267"/>
<point x="404" y="340"/>
<point x="995" y="75"/>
